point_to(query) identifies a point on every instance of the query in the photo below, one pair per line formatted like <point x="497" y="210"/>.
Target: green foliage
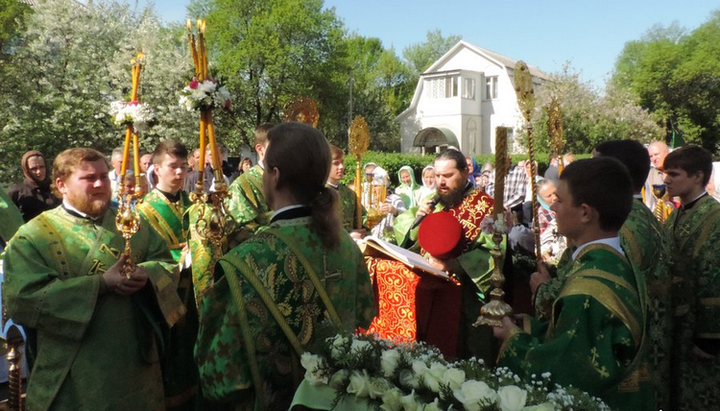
<point x="421" y="55"/>
<point x="12" y="18"/>
<point x="676" y="75"/>
<point x="590" y="118"/>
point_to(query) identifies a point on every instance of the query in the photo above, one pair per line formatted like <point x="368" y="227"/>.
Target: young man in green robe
<point x="347" y="197"/>
<point x="247" y="204"/>
<point x="595" y="337"/>
<point x="694" y="231"/>
<point x="275" y="293"/>
<point x="644" y="241"/>
<point x="165" y="210"/>
<point x="97" y="330"/>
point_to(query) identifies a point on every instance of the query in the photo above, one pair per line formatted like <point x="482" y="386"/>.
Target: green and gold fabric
<point x="643" y="239"/>
<point x="271" y="296"/>
<point x="168" y="218"/>
<point x="10" y="217"/>
<point x="247" y="205"/>
<point x="170" y="221"/>
<point x="695" y="243"/>
<point x="348" y="211"/>
<point x="95" y="349"/>
<point x="594" y="339"/>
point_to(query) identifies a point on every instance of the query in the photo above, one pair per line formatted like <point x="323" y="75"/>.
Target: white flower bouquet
<point x="204" y="95"/>
<point x="139" y="115"/>
<point x="414" y="376"/>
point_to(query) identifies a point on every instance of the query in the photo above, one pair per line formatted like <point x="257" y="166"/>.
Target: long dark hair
<point x="302" y="154"/>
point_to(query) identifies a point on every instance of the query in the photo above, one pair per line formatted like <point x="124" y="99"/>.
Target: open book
<point x="371" y="245"/>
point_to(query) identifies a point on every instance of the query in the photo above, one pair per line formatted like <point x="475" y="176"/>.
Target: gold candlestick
<point x="358" y="141"/>
<point x="493" y="312"/>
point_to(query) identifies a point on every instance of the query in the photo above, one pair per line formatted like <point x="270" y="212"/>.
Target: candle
<point x="201" y="166"/>
<point x="500" y="169"/>
<point x="216" y="162"/>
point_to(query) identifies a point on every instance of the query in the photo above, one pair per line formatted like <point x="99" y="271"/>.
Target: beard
<point x="94" y="206"/>
<point x="452" y="198"/>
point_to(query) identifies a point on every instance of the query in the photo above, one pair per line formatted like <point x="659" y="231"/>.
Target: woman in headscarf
<point x="407" y="188"/>
<point x="429" y="187"/>
<point x="33" y="195"/>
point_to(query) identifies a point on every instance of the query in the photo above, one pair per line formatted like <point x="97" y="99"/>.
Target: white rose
<point x="389" y="360"/>
<point x="409" y="379"/>
<point x="359" y="384"/>
<point x="434" y="376"/>
<point x="391" y="400"/>
<point x="409" y="403"/>
<point x="359" y="345"/>
<point x="207" y="87"/>
<point x="337" y="347"/>
<point x="419" y="368"/>
<point x="511" y="398"/>
<point x="338" y="379"/>
<point x="377" y="388"/>
<point x="433" y="406"/>
<point x="312" y="363"/>
<point x="454" y="378"/>
<point x="472" y="392"/>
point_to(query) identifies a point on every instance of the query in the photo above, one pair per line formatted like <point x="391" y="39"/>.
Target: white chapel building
<point x="461" y="99"/>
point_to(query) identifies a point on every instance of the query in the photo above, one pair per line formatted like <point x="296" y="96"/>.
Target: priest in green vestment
<point x="346" y="196"/>
<point x="97" y="332"/>
<point x="247" y="204"/>
<point x="694" y="232"/>
<point x="165" y="210"/>
<point x="595" y="337"/>
<point x="275" y="293"/>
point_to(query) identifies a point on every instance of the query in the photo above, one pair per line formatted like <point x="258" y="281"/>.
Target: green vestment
<point x="247" y="205"/>
<point x="96" y="350"/>
<point x="266" y="305"/>
<point x="170" y="220"/>
<point x="594" y="338"/>
<point x="10" y="217"/>
<point x="643" y="239"/>
<point x="695" y="244"/>
<point x="348" y="210"/>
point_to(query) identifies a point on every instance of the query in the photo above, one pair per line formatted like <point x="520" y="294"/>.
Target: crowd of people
<point x="624" y="303"/>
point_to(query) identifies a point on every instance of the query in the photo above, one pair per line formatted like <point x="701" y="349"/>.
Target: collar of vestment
<point x="291" y="212"/>
<point x="692" y="203"/>
<point x="613" y="242"/>
<point x="79" y="214"/>
<point x="173" y="198"/>
<point x="335" y="186"/>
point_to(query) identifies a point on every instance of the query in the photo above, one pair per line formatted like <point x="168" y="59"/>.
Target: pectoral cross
<point x="334" y="276"/>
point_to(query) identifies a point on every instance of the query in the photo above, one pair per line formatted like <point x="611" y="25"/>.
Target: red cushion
<point x="441" y="235"/>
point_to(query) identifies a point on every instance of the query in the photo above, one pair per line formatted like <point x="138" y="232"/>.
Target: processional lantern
<point x="204" y="94"/>
<point x="358" y="142"/>
<point x="136" y="116"/>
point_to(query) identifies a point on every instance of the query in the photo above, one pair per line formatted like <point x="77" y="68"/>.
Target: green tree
<point x="590" y="117"/>
<point x="64" y="76"/>
<point x="421" y="55"/>
<point x="676" y="75"/>
<point x="269" y="52"/>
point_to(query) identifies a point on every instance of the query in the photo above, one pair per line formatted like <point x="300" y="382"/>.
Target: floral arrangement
<point x="139" y="115"/>
<point x="490" y="224"/>
<point x="414" y="376"/>
<point x="204" y="95"/>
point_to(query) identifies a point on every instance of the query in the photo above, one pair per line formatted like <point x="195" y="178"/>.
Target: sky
<point x="587" y="34"/>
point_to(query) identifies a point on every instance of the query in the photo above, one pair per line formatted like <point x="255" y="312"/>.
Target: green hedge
<point x="393" y="161"/>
